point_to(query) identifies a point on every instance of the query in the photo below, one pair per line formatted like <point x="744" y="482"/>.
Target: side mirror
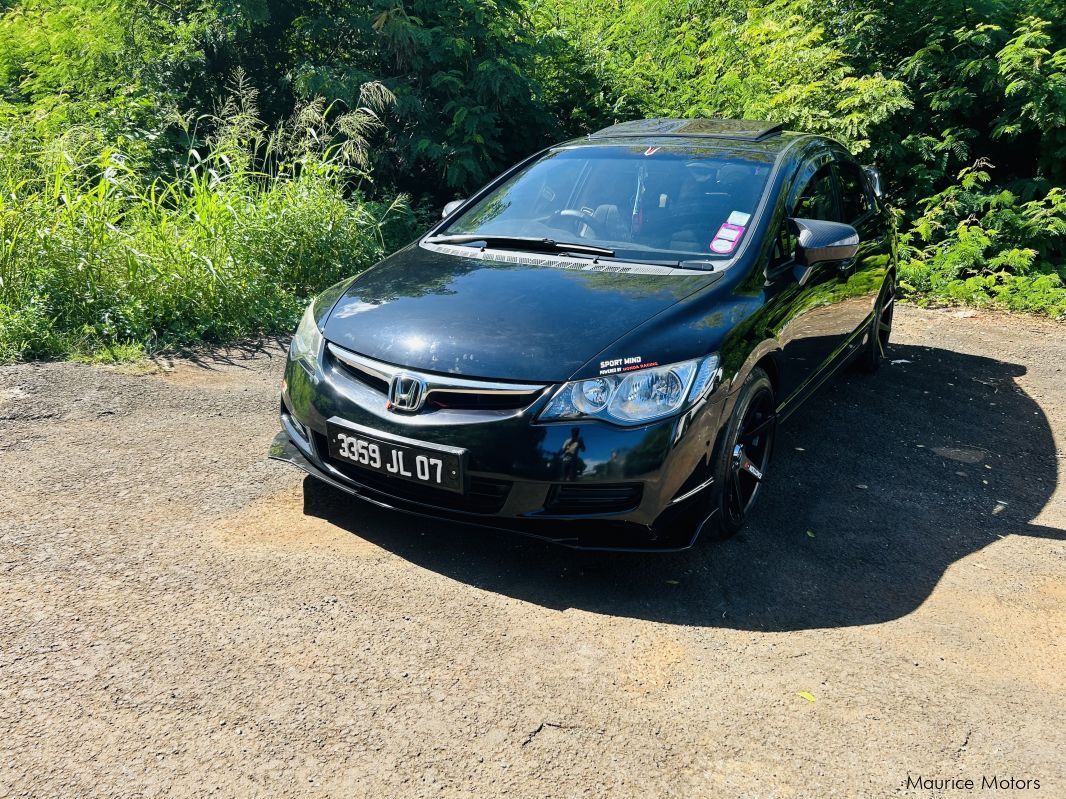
<point x="820" y="242"/>
<point x="450" y="207"/>
<point x="874" y="176"/>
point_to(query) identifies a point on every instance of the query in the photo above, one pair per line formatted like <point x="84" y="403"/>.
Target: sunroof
<point x="744" y="129"/>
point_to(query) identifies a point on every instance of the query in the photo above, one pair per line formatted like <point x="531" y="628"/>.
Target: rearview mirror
<point x="450" y="207"/>
<point x="820" y="241"/>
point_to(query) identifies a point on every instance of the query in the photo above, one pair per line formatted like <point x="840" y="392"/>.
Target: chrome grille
<point x="442" y="391"/>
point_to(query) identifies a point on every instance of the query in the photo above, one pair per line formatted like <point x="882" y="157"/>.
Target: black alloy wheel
<point x="743" y="456"/>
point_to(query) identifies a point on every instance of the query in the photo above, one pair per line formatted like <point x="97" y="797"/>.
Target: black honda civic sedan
<point x="598" y="346"/>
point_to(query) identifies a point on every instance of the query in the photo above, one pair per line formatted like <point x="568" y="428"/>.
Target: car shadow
<point x="877" y="486"/>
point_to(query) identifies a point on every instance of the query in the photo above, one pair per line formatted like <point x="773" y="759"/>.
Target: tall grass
<point x="98" y="257"/>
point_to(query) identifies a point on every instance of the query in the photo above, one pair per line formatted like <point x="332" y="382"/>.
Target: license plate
<point x="430" y="465"/>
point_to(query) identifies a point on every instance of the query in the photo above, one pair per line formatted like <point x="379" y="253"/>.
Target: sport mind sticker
<point x="728" y="235"/>
<point x="628" y="364"/>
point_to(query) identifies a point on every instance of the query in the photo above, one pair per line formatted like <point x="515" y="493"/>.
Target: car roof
<point x="767" y="138"/>
<point x="736" y="129"/>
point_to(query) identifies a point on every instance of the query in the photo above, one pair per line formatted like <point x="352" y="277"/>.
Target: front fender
<point x="767" y="353"/>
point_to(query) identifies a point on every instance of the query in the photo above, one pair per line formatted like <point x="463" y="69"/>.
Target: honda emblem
<point x="407" y="392"/>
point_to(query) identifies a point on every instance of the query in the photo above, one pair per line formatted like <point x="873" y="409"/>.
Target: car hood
<point x="438" y="312"/>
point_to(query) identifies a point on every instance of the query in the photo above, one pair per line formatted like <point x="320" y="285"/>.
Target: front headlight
<point x="634" y="398"/>
<point x="307" y="342"/>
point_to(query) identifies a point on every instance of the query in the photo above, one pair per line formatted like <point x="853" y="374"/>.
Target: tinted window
<point x="816" y="201"/>
<point x="784" y="247"/>
<point x="664" y="203"/>
<point x="852" y="191"/>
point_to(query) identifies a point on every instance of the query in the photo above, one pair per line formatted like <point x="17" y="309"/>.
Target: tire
<point x="741" y="457"/>
<point x="872" y="355"/>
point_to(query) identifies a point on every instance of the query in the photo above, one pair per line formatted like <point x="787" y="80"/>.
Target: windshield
<point x="672" y="203"/>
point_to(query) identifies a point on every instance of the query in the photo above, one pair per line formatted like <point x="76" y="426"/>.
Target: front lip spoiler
<point x="283" y="449"/>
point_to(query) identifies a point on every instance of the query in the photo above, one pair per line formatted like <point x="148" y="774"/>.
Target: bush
<point x="96" y="256"/>
<point x="733" y="58"/>
<point x="980" y="245"/>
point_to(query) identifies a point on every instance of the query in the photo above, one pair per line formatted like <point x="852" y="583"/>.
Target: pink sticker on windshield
<point x="727" y="237"/>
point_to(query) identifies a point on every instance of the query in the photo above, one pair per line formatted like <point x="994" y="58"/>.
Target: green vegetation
<point x="982" y="245"/>
<point x="96" y="257"/>
<point x="192" y="171"/>
<point x="942" y="97"/>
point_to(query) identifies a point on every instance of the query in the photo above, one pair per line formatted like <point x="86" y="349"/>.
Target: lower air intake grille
<point x="571" y="499"/>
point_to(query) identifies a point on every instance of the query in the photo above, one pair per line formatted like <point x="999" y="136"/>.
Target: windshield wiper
<point x="698" y="264"/>
<point x="522" y="243"/>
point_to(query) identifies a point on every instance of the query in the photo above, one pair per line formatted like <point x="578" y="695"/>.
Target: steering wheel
<point x="580" y="221"/>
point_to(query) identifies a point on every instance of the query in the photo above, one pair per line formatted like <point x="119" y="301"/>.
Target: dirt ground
<point x="180" y="616"/>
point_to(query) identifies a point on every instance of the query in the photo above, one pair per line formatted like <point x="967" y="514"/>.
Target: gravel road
<point x="180" y="616"/>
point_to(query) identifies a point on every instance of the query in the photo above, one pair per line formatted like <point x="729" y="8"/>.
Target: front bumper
<point x="518" y="481"/>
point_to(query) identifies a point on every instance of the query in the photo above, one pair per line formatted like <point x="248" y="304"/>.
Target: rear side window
<point x="817" y="201"/>
<point x="853" y="194"/>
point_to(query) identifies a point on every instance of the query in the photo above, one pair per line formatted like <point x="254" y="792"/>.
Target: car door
<point x="862" y="277"/>
<point x="811" y="326"/>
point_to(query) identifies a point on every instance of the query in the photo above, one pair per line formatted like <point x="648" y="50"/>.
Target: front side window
<point x="659" y="204"/>
<point x="816" y="201"/>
